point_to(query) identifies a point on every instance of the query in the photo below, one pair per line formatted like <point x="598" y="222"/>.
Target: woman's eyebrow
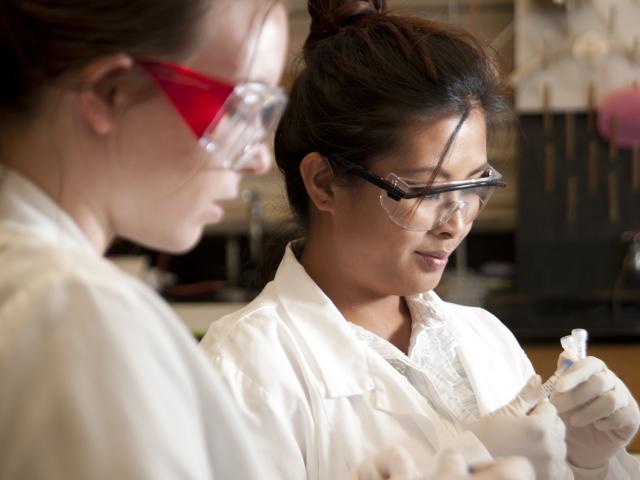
<point x="442" y="173"/>
<point x="480" y="169"/>
<point x="414" y="171"/>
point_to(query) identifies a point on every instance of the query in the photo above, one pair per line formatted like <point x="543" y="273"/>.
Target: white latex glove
<point x="527" y="426"/>
<point x="393" y="463"/>
<point x="600" y="413"/>
<point x="453" y="466"/>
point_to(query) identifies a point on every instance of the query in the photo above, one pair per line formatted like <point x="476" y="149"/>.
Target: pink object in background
<point x="619" y="117"/>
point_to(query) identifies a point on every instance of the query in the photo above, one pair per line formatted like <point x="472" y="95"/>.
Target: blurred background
<point x="558" y="249"/>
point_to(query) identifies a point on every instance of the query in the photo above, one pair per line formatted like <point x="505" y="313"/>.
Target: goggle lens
<point x="424" y="213"/>
<point x="246" y="120"/>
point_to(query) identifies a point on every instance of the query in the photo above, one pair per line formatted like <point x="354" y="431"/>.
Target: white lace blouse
<point x="432" y="365"/>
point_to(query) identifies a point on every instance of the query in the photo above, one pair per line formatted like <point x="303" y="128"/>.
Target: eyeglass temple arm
<point x="396" y="194"/>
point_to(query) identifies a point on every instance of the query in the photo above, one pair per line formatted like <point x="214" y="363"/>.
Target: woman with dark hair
<point x="121" y="118"/>
<point x="384" y="157"/>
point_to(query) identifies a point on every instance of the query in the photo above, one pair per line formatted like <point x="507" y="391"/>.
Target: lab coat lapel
<point x="395" y="395"/>
<point x="478" y="360"/>
<point x="345" y="365"/>
<point x="342" y="363"/>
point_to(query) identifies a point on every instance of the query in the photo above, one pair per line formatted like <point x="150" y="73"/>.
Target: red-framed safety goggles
<point x="228" y="120"/>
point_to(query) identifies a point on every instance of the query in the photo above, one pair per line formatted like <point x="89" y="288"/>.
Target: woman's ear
<point x="103" y="91"/>
<point x="318" y="179"/>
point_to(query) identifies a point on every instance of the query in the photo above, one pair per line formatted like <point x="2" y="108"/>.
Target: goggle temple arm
<point x="197" y="99"/>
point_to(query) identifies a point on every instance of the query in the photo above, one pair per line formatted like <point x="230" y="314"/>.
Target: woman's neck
<point x="69" y="185"/>
<point x="385" y="315"/>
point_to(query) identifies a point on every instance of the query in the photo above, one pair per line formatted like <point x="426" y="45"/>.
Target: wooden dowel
<point x="570" y="136"/>
<point x="592" y="167"/>
<point x="572" y="199"/>
<point x="591" y="107"/>
<point x="614" y="197"/>
<point x="547" y="119"/>
<point x="635" y="168"/>
<point x="613" y="138"/>
<point x="549" y="167"/>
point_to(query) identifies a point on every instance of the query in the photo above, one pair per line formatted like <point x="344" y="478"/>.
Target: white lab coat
<point x="98" y="378"/>
<point x="321" y="401"/>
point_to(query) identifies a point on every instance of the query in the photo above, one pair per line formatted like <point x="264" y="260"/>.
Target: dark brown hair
<point x="41" y="40"/>
<point x="370" y="78"/>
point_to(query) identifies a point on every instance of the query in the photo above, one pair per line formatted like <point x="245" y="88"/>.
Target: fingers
<point x="592" y="388"/>
<point x="530" y="396"/>
<point x="396" y="463"/>
<point x="451" y="464"/>
<point x="626" y="417"/>
<point x="602" y="407"/>
<point x="547" y="449"/>
<point x="512" y="468"/>
<point x="369" y="471"/>
<point x="578" y="373"/>
<point x="392" y="463"/>
<point x="560" y="429"/>
<point x="545" y="411"/>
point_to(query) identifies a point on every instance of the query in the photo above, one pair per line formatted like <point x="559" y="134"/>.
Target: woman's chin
<point x="174" y="244"/>
<point x="426" y="283"/>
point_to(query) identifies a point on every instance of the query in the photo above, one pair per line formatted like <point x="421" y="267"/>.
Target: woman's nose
<point x="258" y="161"/>
<point x="453" y="222"/>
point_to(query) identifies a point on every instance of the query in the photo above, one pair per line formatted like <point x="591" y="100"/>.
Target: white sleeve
<point x="281" y="439"/>
<point x="622" y="466"/>
<point x="92" y="390"/>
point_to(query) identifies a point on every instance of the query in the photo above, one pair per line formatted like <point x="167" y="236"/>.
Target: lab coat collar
<point x="25" y="209"/>
<point x="345" y="364"/>
<point x="342" y="361"/>
<point x="427" y="310"/>
<point x="435" y="334"/>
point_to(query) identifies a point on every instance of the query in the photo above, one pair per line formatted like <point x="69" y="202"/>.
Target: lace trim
<point x="432" y="365"/>
<point x="434" y="351"/>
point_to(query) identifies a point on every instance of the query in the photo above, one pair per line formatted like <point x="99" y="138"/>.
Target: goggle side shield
<point x="245" y="121"/>
<point x="197" y="99"/>
<point x="228" y="120"/>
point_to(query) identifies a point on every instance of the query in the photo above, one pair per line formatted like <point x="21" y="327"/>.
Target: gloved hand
<point x="393" y="463"/>
<point x="527" y="426"/>
<point x="599" y="412"/>
<point x="453" y="466"/>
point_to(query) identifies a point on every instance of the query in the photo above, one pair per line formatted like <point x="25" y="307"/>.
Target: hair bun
<point x="329" y="16"/>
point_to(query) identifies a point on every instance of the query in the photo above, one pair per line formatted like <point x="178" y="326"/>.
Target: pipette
<point x="553" y="379"/>
<point x="574" y="344"/>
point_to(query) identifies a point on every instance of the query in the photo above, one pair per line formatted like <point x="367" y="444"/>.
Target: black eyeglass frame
<point x="397" y="194"/>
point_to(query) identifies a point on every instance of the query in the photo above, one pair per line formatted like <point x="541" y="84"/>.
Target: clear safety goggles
<point x="230" y="121"/>
<point x="421" y="207"/>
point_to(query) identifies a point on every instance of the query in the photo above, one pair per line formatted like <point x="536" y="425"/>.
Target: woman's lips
<point x="217" y="207"/>
<point x="216" y="213"/>
<point x="435" y="260"/>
